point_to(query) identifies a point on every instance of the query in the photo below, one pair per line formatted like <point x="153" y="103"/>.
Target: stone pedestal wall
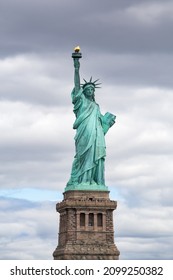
<point x="86" y="227"/>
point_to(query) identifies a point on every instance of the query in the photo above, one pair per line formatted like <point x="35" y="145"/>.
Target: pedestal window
<point x="82" y="219"/>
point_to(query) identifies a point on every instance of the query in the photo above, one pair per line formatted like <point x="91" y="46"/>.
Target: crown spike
<point x="98" y="84"/>
<point x="94" y="84"/>
<point x="96" y="81"/>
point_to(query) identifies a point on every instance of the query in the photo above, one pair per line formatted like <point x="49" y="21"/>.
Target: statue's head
<point x="89" y="88"/>
<point x="89" y="92"/>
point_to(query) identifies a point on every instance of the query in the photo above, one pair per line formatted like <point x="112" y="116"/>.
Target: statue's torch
<point x="77" y="53"/>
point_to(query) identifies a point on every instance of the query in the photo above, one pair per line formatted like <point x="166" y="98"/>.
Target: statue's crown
<point x="91" y="83"/>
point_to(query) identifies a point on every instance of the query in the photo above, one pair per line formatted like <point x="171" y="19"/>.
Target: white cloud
<point x="34" y="145"/>
<point x="29" y="78"/>
<point x="143" y="232"/>
<point x="31" y="232"/>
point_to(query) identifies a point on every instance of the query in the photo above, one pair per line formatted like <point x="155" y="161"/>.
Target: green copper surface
<point x="88" y="187"/>
<point x="91" y="126"/>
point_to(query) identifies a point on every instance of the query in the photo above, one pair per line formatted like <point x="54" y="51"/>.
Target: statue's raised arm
<point x="76" y="56"/>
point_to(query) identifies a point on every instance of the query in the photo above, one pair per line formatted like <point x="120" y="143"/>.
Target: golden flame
<point x="77" y="49"/>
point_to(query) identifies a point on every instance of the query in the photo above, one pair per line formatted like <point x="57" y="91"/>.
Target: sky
<point x="128" y="45"/>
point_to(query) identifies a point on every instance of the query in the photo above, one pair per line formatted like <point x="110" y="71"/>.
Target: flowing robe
<point x="88" y="164"/>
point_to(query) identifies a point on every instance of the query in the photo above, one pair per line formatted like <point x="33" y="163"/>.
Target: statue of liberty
<point x="91" y="126"/>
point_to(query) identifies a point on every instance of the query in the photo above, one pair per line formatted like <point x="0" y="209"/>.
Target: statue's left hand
<point x="112" y="122"/>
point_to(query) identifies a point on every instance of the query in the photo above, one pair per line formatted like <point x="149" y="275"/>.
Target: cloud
<point x="145" y="248"/>
<point x="143" y="233"/>
<point x="151" y="13"/>
<point x="31" y="232"/>
<point x="33" y="144"/>
<point x="40" y="26"/>
<point x="29" y="78"/>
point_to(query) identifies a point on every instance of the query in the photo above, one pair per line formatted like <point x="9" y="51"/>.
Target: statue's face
<point x="89" y="92"/>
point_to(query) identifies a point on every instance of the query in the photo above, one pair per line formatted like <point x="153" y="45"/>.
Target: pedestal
<point x="86" y="226"/>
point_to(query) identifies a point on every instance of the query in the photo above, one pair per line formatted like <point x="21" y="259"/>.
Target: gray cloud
<point x="117" y="27"/>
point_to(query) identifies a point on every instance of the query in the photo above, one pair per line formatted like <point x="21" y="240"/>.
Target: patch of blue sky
<point x="115" y="194"/>
<point x="32" y="194"/>
<point x="38" y="195"/>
